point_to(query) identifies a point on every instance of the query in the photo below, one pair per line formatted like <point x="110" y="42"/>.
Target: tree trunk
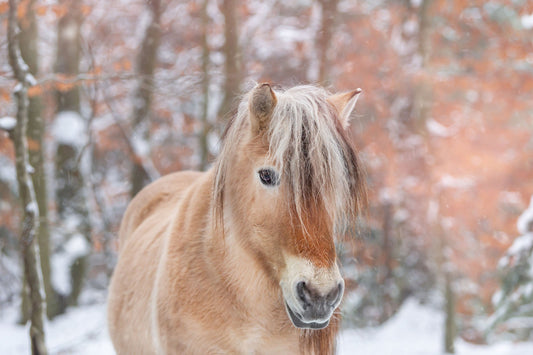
<point x="68" y="53"/>
<point x="142" y="100"/>
<point x="422" y="94"/>
<point x="204" y="147"/>
<point x="449" y="328"/>
<point x="70" y="186"/>
<point x="385" y="273"/>
<point x="26" y="191"/>
<point x="232" y="66"/>
<point x="327" y="24"/>
<point x="28" y="47"/>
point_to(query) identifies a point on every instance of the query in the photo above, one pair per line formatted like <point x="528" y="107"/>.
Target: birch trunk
<point x="25" y="185"/>
<point x="28" y="47"/>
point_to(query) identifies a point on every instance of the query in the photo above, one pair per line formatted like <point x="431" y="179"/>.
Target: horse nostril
<point x="334" y="296"/>
<point x="303" y="294"/>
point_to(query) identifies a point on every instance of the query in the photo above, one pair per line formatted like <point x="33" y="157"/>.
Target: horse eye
<point x="268" y="177"/>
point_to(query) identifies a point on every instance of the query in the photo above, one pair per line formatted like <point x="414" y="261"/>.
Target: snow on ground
<point x="415" y="330"/>
<point x="80" y="331"/>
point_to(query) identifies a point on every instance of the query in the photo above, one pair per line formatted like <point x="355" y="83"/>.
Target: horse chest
<point x="257" y="341"/>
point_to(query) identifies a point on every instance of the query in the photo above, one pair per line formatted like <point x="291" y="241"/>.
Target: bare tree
<point x="325" y="34"/>
<point x="142" y="100"/>
<point x="26" y="191"/>
<point x="421" y="110"/>
<point x="204" y="147"/>
<point x="232" y="66"/>
<point x="449" y="307"/>
<point x="28" y="47"/>
<point x="422" y="93"/>
<point x="70" y="185"/>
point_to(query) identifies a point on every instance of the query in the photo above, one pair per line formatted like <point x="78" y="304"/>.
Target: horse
<point x="241" y="259"/>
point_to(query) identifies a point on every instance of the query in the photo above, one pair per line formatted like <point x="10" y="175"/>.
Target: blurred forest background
<point x="124" y="91"/>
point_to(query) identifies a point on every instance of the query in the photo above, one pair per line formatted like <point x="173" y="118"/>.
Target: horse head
<point x="287" y="181"/>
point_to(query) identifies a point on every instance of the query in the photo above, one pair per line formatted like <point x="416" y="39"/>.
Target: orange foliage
<point x="474" y="147"/>
<point x="35" y="90"/>
<point x="33" y="145"/>
<point x="4" y="6"/>
<point x="40" y="10"/>
<point x="64" y="82"/>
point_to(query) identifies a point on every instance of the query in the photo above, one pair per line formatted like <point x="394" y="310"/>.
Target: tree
<point x="325" y="35"/>
<point x="204" y="146"/>
<point x="29" y="50"/>
<point x="142" y="100"/>
<point x="26" y="191"/>
<point x="514" y="299"/>
<point x="69" y="131"/>
<point x="232" y="58"/>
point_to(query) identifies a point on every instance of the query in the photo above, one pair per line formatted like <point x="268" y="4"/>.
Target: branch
<point x="145" y="160"/>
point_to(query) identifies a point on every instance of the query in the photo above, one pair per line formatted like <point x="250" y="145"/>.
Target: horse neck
<point x="240" y="271"/>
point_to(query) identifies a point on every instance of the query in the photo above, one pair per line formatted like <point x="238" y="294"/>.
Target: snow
<point x="62" y="261"/>
<point x="18" y="88"/>
<point x="521" y="244"/>
<point x="7" y="123"/>
<point x="449" y="181"/>
<point x="415" y="330"/>
<point x="140" y="145"/>
<point x="30" y="79"/>
<point x="527" y="21"/>
<point x="29" y="168"/>
<point x="80" y="331"/>
<point x="8" y="173"/>
<point x="525" y="221"/>
<point x="77" y="246"/>
<point x="70" y="128"/>
<point x="439" y="130"/>
<point x="32" y="207"/>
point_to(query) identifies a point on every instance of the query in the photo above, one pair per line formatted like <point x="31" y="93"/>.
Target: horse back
<point x="165" y="191"/>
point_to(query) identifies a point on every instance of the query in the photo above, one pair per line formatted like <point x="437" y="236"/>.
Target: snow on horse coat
<point x="241" y="259"/>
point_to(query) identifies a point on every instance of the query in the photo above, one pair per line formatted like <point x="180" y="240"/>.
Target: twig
<point x="145" y="161"/>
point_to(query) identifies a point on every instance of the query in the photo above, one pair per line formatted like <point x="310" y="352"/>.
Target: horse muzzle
<point x="312" y="309"/>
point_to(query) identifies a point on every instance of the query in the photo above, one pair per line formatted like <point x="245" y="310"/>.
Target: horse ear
<point x="262" y="103"/>
<point x="345" y="103"/>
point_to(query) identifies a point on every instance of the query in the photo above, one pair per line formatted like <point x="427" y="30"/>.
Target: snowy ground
<point x="415" y="330"/>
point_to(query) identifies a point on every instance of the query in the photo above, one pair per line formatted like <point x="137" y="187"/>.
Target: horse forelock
<point x="312" y="150"/>
<point x="309" y="145"/>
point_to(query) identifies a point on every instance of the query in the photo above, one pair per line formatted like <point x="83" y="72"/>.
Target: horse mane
<point x="311" y="150"/>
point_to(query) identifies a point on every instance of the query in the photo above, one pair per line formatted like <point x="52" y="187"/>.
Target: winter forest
<point x="98" y="98"/>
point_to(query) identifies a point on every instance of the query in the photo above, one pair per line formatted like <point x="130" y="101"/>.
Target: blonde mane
<point x="311" y="150"/>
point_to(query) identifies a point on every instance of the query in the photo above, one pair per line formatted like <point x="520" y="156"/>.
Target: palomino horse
<point x="241" y="259"/>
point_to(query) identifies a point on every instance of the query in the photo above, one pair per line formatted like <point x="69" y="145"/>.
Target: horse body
<point x="224" y="262"/>
<point x="147" y="292"/>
